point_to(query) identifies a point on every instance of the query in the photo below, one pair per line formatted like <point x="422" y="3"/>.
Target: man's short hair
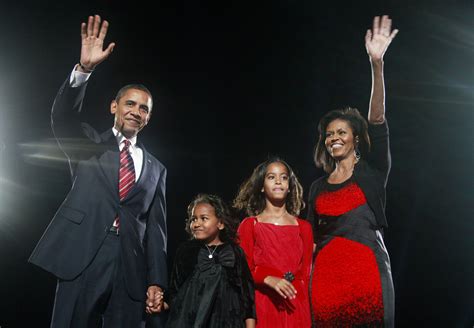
<point x="136" y="86"/>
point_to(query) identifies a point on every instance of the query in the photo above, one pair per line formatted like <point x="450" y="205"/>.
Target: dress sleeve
<point x="248" y="288"/>
<point x="246" y="238"/>
<point x="247" y="241"/>
<point x="379" y="157"/>
<point x="177" y="275"/>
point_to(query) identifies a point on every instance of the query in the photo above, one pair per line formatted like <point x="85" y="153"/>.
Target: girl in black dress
<point x="211" y="285"/>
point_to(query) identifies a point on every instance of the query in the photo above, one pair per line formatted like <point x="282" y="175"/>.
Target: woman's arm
<point x="377" y="41"/>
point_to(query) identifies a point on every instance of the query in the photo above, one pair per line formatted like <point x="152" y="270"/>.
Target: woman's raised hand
<point x="378" y="39"/>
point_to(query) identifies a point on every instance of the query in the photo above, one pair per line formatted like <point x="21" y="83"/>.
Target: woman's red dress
<point x="346" y="285"/>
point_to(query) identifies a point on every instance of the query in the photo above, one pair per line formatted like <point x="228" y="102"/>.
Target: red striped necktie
<point x="126" y="175"/>
<point x="127" y="171"/>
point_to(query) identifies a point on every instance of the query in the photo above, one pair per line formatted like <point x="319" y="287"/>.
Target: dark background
<point x="235" y="82"/>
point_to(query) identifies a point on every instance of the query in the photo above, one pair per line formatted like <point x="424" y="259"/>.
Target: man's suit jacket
<point x="82" y="222"/>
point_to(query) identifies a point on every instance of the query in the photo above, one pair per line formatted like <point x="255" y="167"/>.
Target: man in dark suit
<point x="107" y="242"/>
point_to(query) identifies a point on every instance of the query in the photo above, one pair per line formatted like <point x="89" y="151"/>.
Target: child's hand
<point x="154" y="301"/>
<point x="281" y="286"/>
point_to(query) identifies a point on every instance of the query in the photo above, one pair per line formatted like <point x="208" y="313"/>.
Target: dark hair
<point x="252" y="200"/>
<point x="124" y="89"/>
<point x="359" y="128"/>
<point x="229" y="233"/>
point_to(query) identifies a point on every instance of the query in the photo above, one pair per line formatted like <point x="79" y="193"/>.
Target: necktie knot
<point x="126" y="145"/>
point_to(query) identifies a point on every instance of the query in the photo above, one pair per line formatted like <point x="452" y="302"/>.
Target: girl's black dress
<point x="210" y="292"/>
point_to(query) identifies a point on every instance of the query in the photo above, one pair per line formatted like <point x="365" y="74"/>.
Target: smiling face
<point x="276" y="182"/>
<point x="205" y="225"/>
<point x="340" y="141"/>
<point x="132" y="112"/>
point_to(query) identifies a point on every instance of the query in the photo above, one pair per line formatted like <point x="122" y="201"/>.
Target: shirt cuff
<point x="262" y="272"/>
<point x="77" y="78"/>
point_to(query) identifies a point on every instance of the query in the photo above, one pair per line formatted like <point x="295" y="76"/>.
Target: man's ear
<point x="113" y="106"/>
<point x="148" y="117"/>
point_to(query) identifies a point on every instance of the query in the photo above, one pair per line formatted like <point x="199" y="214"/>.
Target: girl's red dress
<point x="273" y="250"/>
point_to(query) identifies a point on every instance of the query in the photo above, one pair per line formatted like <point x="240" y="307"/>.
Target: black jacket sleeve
<point x="379" y="157"/>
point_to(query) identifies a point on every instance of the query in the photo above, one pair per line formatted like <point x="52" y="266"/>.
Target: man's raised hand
<point x="93" y="34"/>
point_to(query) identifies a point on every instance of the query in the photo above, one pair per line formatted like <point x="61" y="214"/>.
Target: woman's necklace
<point x="211" y="254"/>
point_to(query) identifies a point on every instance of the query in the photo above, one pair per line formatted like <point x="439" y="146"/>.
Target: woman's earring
<point x="357" y="153"/>
<point x="356" y="149"/>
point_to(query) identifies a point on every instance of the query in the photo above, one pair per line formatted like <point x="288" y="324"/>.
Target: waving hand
<point x="92" y="50"/>
<point x="378" y="39"/>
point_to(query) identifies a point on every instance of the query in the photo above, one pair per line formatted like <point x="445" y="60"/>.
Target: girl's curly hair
<point x="223" y="213"/>
<point x="251" y="200"/>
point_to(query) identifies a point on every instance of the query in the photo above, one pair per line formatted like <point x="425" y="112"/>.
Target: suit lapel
<point x="109" y="160"/>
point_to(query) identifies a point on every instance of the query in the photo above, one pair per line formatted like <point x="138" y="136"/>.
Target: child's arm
<point x="248" y="287"/>
<point x="173" y="284"/>
<point x="246" y="241"/>
<point x="250" y="323"/>
<point x="282" y="286"/>
<point x="175" y="278"/>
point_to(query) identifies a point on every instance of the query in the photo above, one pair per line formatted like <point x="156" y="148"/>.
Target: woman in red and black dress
<point x="351" y="279"/>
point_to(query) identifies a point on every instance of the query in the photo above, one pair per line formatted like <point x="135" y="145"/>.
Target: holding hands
<point x="378" y="39"/>
<point x="155" y="301"/>
<point x="93" y="34"/>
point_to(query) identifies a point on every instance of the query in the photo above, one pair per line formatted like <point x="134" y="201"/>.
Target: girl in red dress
<point x="351" y="281"/>
<point x="277" y="244"/>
